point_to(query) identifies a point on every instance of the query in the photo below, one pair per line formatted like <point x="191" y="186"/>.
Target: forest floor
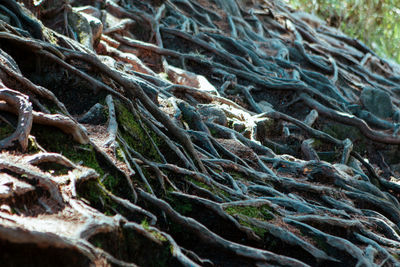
<point x="193" y="133"/>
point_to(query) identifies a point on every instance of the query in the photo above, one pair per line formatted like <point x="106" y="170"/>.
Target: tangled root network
<point x="193" y="133"/>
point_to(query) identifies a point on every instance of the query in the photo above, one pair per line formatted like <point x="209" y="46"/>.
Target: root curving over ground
<point x="193" y="133"/>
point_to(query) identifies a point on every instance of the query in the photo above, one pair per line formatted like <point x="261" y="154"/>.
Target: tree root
<point x="23" y="107"/>
<point x="211" y="106"/>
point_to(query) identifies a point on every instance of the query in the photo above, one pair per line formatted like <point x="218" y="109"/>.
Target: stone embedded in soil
<point x="214" y="113"/>
<point x="183" y="77"/>
<point x="265" y="106"/>
<point x="96" y="26"/>
<point x="90" y="10"/>
<point x="377" y="102"/>
<point x="81" y="27"/>
<point x="94" y="116"/>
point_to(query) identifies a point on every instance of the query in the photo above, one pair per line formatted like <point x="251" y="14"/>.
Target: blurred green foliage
<point x="375" y="22"/>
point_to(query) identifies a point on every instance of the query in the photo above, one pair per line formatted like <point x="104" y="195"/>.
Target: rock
<point x="92" y="16"/>
<point x="90" y="10"/>
<point x="355" y="164"/>
<point x="345" y="170"/>
<point x="95" y="115"/>
<point x="265" y="106"/>
<point x="108" y="19"/>
<point x="191" y="116"/>
<point x="213" y="112"/>
<point x="377" y="102"/>
<point x="183" y="77"/>
<point x="96" y="26"/>
<point x="81" y="26"/>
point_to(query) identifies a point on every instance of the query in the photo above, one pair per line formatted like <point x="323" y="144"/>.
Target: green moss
<point x="262" y="212"/>
<point x="50" y="36"/>
<point x="317" y="143"/>
<point x="54" y="169"/>
<point x="209" y="188"/>
<point x="54" y="140"/>
<point x="157" y="235"/>
<point x="119" y="153"/>
<point x="176" y="229"/>
<point x="54" y="109"/>
<point x="321" y="244"/>
<point x="180" y="205"/>
<point x="146" y="252"/>
<point x="259" y="231"/>
<point x="155" y="185"/>
<point x="91" y="191"/>
<point x="5" y="130"/>
<point x="80" y="26"/>
<point x="135" y="135"/>
<point x="183" y="208"/>
<point x="396" y="256"/>
<point x="200" y="184"/>
<point x="164" y="76"/>
<point x="111" y="183"/>
<point x="33" y="146"/>
<point x="342" y="132"/>
<point x="97" y="243"/>
<point x="236" y="175"/>
<point x="213" y="132"/>
<point x="145" y="224"/>
<point x="222" y="192"/>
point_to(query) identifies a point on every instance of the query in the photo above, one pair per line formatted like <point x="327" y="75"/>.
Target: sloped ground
<point x="193" y="133"/>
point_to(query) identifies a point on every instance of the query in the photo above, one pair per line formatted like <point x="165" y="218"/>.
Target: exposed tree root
<point x="239" y="134"/>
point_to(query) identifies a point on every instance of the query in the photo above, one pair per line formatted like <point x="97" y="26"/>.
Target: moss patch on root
<point x="157" y="235"/>
<point x="199" y="184"/>
<point x="257" y="230"/>
<point x="180" y="205"/>
<point x="341" y="131"/>
<point x="54" y="140"/>
<point x="135" y="135"/>
<point x="146" y="252"/>
<point x="262" y="213"/>
<point x="5" y="130"/>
